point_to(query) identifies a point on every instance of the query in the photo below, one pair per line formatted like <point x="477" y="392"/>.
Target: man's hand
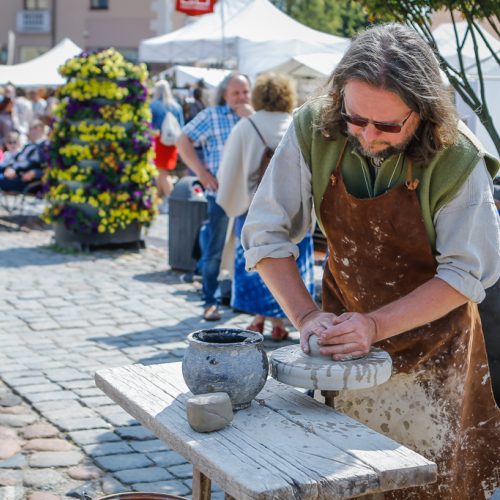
<point x="208" y="180"/>
<point x="244" y="110"/>
<point x="28" y="176"/>
<point x="350" y="334"/>
<point x="10" y="173"/>
<point x="314" y="323"/>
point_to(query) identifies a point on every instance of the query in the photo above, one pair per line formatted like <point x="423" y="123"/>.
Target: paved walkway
<point x="63" y="316"/>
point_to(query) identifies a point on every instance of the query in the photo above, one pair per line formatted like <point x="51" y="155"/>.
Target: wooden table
<point x="284" y="446"/>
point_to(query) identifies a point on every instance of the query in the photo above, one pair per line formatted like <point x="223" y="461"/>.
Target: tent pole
<point x="223" y="41"/>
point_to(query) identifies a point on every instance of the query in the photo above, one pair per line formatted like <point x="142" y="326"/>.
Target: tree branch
<point x="482" y="35"/>
<point x="493" y="25"/>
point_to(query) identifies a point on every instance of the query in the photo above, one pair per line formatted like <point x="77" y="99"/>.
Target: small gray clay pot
<point x="226" y="360"/>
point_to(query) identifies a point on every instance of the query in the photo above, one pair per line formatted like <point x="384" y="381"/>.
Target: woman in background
<point x="162" y="102"/>
<point x="273" y="98"/>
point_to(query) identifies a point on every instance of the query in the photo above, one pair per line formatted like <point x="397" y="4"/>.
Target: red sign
<point x="195" y="7"/>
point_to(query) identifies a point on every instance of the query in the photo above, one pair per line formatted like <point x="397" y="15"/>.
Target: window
<point x="36" y="4"/>
<point x="27" y="52"/>
<point x="99" y="4"/>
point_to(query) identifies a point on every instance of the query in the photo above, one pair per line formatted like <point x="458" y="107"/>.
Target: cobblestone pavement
<point x="64" y="315"/>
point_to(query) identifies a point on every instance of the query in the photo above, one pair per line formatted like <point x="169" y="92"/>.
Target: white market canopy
<point x="315" y="65"/>
<point x="190" y="75"/>
<point x="255" y="33"/>
<point x="41" y="71"/>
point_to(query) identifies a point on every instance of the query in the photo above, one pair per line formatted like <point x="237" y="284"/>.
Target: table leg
<point x="201" y="486"/>
<point x="330" y="397"/>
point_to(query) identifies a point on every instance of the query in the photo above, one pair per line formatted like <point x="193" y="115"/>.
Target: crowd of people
<point x="25" y="119"/>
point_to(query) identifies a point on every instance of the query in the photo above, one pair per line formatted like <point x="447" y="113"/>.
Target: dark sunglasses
<point x="10" y="142"/>
<point x="390" y="128"/>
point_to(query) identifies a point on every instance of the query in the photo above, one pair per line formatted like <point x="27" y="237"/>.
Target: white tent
<point x="316" y="65"/>
<point x="190" y="75"/>
<point x="41" y="71"/>
<point x="255" y="32"/>
<point x="309" y="70"/>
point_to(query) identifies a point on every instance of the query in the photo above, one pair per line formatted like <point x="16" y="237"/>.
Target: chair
<point x="16" y="203"/>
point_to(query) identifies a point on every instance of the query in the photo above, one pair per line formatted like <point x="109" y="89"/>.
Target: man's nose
<point x="370" y="133"/>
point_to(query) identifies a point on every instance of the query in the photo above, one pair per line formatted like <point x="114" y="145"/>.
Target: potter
<point x="403" y="193"/>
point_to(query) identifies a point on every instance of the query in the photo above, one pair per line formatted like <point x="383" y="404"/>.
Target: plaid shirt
<point x="211" y="128"/>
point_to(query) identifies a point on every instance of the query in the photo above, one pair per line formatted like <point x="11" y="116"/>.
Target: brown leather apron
<point x="439" y="400"/>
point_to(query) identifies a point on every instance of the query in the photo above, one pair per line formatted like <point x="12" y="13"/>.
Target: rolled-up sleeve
<point x="280" y="213"/>
<point x="468" y="237"/>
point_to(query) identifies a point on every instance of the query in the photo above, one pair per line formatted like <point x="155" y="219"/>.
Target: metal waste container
<point x="187" y="211"/>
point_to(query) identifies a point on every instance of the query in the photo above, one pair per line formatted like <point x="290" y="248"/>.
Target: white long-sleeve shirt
<point x="467" y="228"/>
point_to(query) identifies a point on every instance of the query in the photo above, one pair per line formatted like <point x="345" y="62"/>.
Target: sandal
<point x="278" y="333"/>
<point x="211" y="313"/>
<point x="256" y="327"/>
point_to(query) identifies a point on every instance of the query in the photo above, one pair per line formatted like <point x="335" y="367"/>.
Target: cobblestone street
<point x="63" y="316"/>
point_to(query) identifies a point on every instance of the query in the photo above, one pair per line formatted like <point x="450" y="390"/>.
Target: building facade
<point x="29" y="28"/>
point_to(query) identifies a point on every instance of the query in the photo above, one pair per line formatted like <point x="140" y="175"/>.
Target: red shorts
<point x="165" y="156"/>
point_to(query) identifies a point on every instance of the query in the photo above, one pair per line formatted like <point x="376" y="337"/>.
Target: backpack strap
<point x="258" y="132"/>
<point x="266" y="155"/>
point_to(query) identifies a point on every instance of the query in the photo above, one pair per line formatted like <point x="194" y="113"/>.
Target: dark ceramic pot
<point x="226" y="360"/>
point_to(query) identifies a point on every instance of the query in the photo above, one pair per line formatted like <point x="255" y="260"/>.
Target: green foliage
<point x="420" y="10"/>
<point x="338" y="17"/>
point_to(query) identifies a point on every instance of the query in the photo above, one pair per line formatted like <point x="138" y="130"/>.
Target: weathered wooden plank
<point x="284" y="446"/>
<point x="261" y="455"/>
<point x="397" y="466"/>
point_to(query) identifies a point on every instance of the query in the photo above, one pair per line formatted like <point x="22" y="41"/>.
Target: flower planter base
<point x="130" y="237"/>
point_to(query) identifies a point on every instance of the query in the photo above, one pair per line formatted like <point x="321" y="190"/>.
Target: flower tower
<point x="101" y="176"/>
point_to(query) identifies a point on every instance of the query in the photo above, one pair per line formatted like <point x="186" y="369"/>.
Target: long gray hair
<point x="162" y="92"/>
<point x="220" y="99"/>
<point x="395" y="58"/>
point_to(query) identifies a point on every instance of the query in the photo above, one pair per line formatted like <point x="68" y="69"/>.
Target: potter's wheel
<point x="292" y="366"/>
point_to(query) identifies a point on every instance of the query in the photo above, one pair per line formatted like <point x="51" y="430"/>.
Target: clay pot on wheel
<point x="226" y="360"/>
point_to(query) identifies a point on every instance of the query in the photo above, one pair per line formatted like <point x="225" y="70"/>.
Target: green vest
<point x="440" y="180"/>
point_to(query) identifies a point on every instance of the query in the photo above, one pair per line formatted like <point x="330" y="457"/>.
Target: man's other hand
<point x="244" y="110"/>
<point x="208" y="180"/>
<point x="351" y="334"/>
<point x="314" y="323"/>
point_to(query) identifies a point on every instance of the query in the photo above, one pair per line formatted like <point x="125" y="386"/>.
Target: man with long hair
<point x="403" y="192"/>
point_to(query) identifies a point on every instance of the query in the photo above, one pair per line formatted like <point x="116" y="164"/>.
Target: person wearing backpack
<point x="167" y="122"/>
<point x="246" y="155"/>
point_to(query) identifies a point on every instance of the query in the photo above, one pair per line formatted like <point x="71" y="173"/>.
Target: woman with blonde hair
<point x="163" y="102"/>
<point x="240" y="172"/>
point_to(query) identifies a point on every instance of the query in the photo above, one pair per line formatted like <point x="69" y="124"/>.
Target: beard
<point x="390" y="150"/>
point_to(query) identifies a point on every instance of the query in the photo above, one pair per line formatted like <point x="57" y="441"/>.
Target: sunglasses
<point x="388" y="127"/>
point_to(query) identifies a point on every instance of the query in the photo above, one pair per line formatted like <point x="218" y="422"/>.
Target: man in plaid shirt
<point x="211" y="128"/>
